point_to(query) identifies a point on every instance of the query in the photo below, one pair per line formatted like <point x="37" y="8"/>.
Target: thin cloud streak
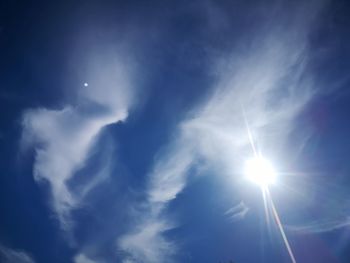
<point x="271" y="82"/>
<point x="237" y="212"/>
<point x="8" y="255"/>
<point x="320" y="226"/>
<point x="146" y="244"/>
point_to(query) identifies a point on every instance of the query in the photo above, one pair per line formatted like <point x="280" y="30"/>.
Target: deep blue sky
<point x="144" y="163"/>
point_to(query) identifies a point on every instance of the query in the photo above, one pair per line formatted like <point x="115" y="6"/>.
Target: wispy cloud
<point x="147" y="244"/>
<point x="321" y="226"/>
<point x="8" y="255"/>
<point x="63" y="137"/>
<point x="270" y="84"/>
<point x="237" y="212"/>
<point x="146" y="241"/>
<point x="82" y="258"/>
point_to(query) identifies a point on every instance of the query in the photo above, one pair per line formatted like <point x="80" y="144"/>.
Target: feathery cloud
<point x="82" y="258"/>
<point x="237" y="212"/>
<point x="269" y="85"/>
<point x="321" y="226"/>
<point x="8" y="255"/>
<point x="63" y="138"/>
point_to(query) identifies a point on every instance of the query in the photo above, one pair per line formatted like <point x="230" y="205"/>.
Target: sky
<point x="126" y="126"/>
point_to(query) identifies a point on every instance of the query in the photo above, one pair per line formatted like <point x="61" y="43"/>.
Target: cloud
<point x="321" y="226"/>
<point x="237" y="212"/>
<point x="8" y="255"/>
<point x="328" y="197"/>
<point x="166" y="180"/>
<point x="146" y="244"/>
<point x="81" y="258"/>
<point x="62" y="138"/>
<point x="266" y="85"/>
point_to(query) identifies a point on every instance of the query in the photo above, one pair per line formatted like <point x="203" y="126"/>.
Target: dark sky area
<point x="126" y="127"/>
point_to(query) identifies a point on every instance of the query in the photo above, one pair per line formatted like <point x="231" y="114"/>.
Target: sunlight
<point x="260" y="171"/>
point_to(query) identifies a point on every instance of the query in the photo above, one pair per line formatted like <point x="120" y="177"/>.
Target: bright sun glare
<point x="260" y="171"/>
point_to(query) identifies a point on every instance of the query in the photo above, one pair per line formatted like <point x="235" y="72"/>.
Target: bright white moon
<point x="260" y="171"/>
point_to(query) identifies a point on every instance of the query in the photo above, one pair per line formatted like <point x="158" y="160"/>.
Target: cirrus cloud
<point x="63" y="138"/>
<point x="267" y="85"/>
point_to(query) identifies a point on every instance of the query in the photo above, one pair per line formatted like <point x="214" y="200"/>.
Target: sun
<point x="260" y="171"/>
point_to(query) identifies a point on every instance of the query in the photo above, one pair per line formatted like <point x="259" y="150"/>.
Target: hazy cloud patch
<point x="8" y="255"/>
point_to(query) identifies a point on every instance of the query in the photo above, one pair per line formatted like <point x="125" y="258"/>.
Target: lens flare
<point x="261" y="172"/>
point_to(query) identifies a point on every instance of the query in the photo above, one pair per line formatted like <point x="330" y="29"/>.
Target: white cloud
<point x="269" y="85"/>
<point x="146" y="244"/>
<point x="82" y="258"/>
<point x="167" y="178"/>
<point x="321" y="226"/>
<point x="237" y="212"/>
<point x="8" y="255"/>
<point x="63" y="138"/>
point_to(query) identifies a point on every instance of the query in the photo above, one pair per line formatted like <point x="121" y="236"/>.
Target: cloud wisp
<point x="8" y="255"/>
<point x="63" y="137"/>
<point x="321" y="226"/>
<point x="146" y="242"/>
<point x="270" y="85"/>
<point x="81" y="258"/>
<point x="237" y="212"/>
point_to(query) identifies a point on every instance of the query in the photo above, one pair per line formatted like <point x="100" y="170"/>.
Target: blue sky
<point x="125" y="127"/>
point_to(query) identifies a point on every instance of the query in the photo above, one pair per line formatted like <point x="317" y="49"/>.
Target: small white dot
<point x="86" y="84"/>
